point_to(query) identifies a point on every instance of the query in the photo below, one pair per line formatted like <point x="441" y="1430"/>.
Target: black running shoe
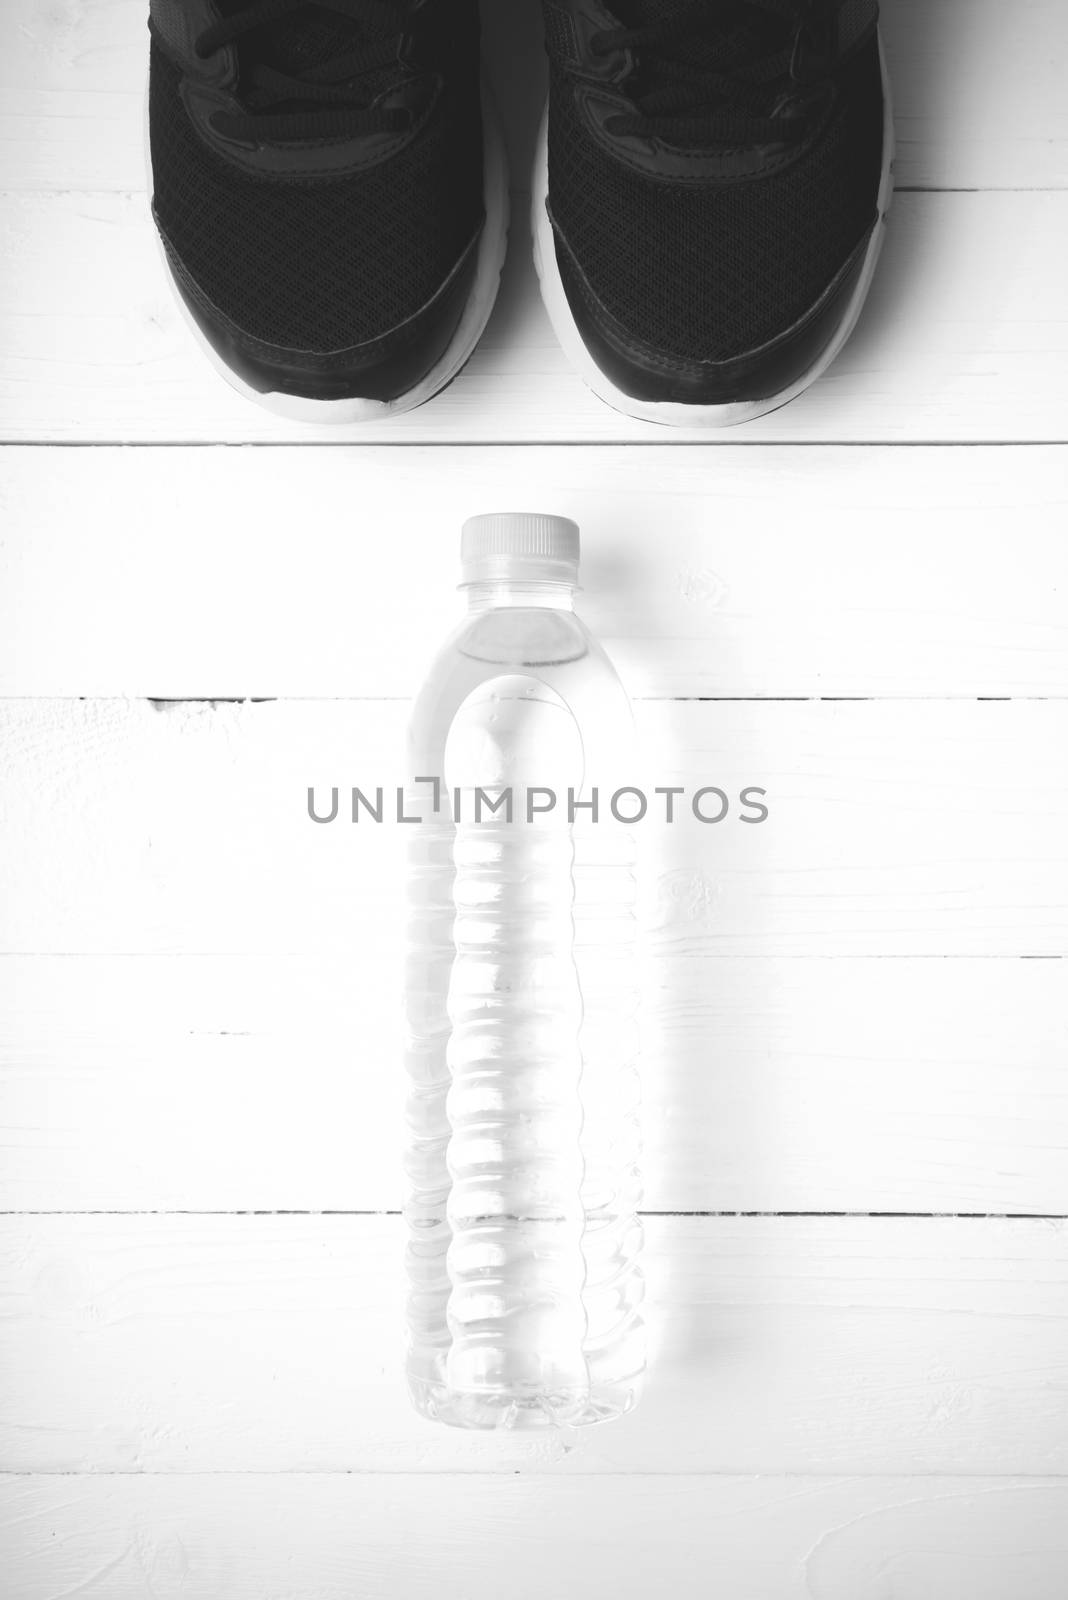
<point x="709" y="196"/>
<point x="333" y="219"/>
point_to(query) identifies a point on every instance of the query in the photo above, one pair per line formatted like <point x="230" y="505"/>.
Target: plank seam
<point x="165" y="702"/>
<point x="328" y="1211"/>
<point x="875" y="1475"/>
<point x="710" y="955"/>
<point x="614" y="443"/>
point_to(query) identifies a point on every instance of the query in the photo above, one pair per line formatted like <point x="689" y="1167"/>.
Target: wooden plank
<point x="962" y="341"/>
<point x="192" y="1344"/>
<point x="71" y="86"/>
<point x="894" y="828"/>
<point x="385" y="1537"/>
<point x="156" y="1083"/>
<point x="891" y="574"/>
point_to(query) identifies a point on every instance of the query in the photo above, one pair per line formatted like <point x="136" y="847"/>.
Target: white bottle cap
<point x="519" y="545"/>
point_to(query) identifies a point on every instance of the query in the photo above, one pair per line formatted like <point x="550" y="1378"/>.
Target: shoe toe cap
<point x="383" y="369"/>
<point x="648" y="374"/>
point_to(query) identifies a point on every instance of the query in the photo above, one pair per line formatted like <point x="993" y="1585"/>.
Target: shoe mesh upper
<point x="320" y="264"/>
<point x="707" y="271"/>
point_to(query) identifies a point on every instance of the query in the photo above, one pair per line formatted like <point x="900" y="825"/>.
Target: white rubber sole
<point x="493" y="243"/>
<point x="675" y="413"/>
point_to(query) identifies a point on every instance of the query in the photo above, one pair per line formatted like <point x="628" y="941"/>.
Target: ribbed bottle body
<point x="524" y="1239"/>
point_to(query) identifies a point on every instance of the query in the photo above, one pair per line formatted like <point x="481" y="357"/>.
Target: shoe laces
<point x="713" y="72"/>
<point x="311" y="71"/>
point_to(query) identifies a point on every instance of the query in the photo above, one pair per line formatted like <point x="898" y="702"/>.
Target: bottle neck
<point x="539" y="593"/>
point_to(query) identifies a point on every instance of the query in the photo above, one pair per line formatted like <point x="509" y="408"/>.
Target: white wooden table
<point x="856" y="1071"/>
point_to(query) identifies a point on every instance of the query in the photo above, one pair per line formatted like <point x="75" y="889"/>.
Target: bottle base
<point x="518" y="1412"/>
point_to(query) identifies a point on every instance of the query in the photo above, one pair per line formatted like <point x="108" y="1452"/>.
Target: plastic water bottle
<point x="524" y="1238"/>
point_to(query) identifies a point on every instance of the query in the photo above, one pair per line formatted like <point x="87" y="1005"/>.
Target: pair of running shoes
<point x="708" y="199"/>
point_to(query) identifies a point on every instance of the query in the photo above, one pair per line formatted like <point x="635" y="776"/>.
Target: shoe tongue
<point x="724" y="34"/>
<point x="296" y="43"/>
<point x="307" y="39"/>
<point x="726" y="29"/>
<point x="637" y="13"/>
